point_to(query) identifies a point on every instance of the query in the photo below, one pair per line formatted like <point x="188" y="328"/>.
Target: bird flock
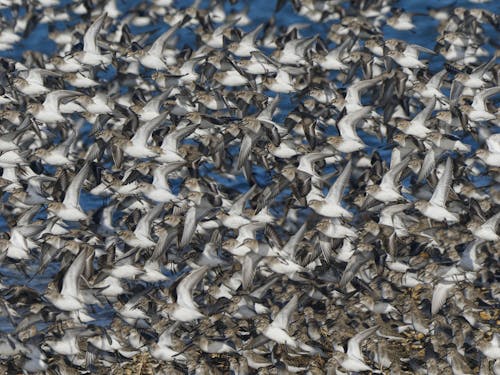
<point x="188" y="190"/>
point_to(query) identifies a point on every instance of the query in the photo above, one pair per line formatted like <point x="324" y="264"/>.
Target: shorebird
<point x="30" y="82"/>
<point x="487" y="230"/>
<point x="137" y="146"/>
<point x="330" y="206"/>
<point x="387" y="191"/>
<point x="159" y="190"/>
<point x="141" y="236"/>
<point x="401" y="20"/>
<point x="353" y="359"/>
<point x="168" y="347"/>
<point x="416" y="127"/>
<point x="478" y="110"/>
<point x="185" y="309"/>
<point x="475" y="79"/>
<point x="49" y="110"/>
<point x="349" y="141"/>
<point x="153" y="56"/>
<point x="91" y="54"/>
<point x="277" y="329"/>
<point x="408" y="56"/>
<point x="337" y="57"/>
<point x="246" y="45"/>
<point x="491" y="156"/>
<point x="70" y="296"/>
<point x="436" y="208"/>
<point x="70" y="209"/>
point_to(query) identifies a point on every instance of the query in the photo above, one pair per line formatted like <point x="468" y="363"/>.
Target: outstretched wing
<point x="442" y="188"/>
<point x="186" y="286"/>
<point x="71" y="280"/>
<point x="72" y="197"/>
<point x="335" y="193"/>
<point x="90" y="37"/>
<point x="353" y="345"/>
<point x="282" y="319"/>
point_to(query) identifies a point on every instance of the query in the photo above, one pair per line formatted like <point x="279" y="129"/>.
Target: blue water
<point x="260" y="11"/>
